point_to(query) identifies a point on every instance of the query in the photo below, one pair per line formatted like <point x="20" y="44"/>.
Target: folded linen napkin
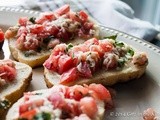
<point x="110" y="13"/>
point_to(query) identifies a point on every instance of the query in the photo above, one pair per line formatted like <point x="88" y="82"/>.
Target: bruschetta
<point x="33" y="38"/>
<point x="106" y="61"/>
<point x="14" y="79"/>
<point x="62" y="102"/>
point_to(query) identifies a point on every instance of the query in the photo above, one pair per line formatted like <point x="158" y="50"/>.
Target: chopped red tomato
<point x="69" y="76"/>
<point x="30" y="105"/>
<point x="106" y="46"/>
<point x="22" y="30"/>
<point x="88" y="25"/>
<point x="93" y="41"/>
<point x="36" y="29"/>
<point x="65" y="62"/>
<point x="46" y="16"/>
<point x="7" y="72"/>
<point x="1" y="36"/>
<point x="23" y="21"/>
<point x="88" y="106"/>
<point x="52" y="63"/>
<point x="28" y="115"/>
<point x="75" y="17"/>
<point x="83" y="15"/>
<point x="57" y="99"/>
<point x="20" y="42"/>
<point x="63" y="10"/>
<point x="84" y="70"/>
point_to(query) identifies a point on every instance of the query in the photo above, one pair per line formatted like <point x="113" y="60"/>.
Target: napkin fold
<point x="110" y="13"/>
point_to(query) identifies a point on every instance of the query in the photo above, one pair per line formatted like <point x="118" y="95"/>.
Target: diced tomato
<point x="59" y="49"/>
<point x="1" y="36"/>
<point x="7" y="72"/>
<point x="22" y="30"/>
<point x="46" y="16"/>
<point x="69" y="76"/>
<point x="88" y="25"/>
<point x="77" y="92"/>
<point x="30" y="105"/>
<point x="57" y="100"/>
<point x="84" y="70"/>
<point x="63" y="10"/>
<point x="98" y="49"/>
<point x="83" y="15"/>
<point x="100" y="92"/>
<point x="36" y="29"/>
<point x="52" y="63"/>
<point x="106" y="46"/>
<point x="20" y="42"/>
<point x="28" y="115"/>
<point x="75" y="17"/>
<point x="88" y="106"/>
<point x="93" y="41"/>
<point x="65" y="62"/>
<point x="23" y="21"/>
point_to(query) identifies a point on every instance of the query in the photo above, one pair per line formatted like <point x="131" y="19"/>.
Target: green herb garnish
<point x="4" y="104"/>
<point x="131" y="51"/>
<point x="119" y="43"/>
<point x="121" y="62"/>
<point x="111" y="37"/>
<point x="32" y="19"/>
<point x="69" y="47"/>
<point x="42" y="116"/>
<point x="38" y="93"/>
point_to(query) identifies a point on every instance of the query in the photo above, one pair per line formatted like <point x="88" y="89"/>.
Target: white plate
<point x="132" y="97"/>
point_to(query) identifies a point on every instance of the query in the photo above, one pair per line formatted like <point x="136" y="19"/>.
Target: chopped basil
<point x="47" y="39"/>
<point x="32" y="19"/>
<point x="119" y="43"/>
<point x="42" y="116"/>
<point x="131" y="51"/>
<point x="121" y="62"/>
<point x="4" y="104"/>
<point x="38" y="93"/>
<point x="69" y="47"/>
<point x="111" y="37"/>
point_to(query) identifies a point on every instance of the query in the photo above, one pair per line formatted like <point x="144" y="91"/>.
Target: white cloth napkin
<point x="118" y="15"/>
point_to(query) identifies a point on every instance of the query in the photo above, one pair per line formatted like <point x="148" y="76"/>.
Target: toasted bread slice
<point x="38" y="59"/>
<point x="13" y="112"/>
<point x="108" y="78"/>
<point x="13" y="91"/>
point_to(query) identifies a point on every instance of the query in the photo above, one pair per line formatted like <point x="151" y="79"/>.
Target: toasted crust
<point x="108" y="78"/>
<point x="15" y="90"/>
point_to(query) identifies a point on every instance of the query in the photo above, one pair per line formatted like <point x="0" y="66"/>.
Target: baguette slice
<point x="14" y="91"/>
<point x="13" y="112"/>
<point x="103" y="77"/>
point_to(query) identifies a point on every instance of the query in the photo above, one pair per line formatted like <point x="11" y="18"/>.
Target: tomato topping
<point x="83" y="15"/>
<point x="69" y="76"/>
<point x="92" y="41"/>
<point x="28" y="115"/>
<point x="57" y="100"/>
<point x="75" y="17"/>
<point x="22" y="30"/>
<point x="88" y="106"/>
<point x="106" y="46"/>
<point x="65" y="62"/>
<point x="23" y="21"/>
<point x="7" y="70"/>
<point x="63" y="10"/>
<point x="36" y="29"/>
<point x="1" y="36"/>
<point x="52" y="63"/>
<point x="84" y="70"/>
<point x="30" y="105"/>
